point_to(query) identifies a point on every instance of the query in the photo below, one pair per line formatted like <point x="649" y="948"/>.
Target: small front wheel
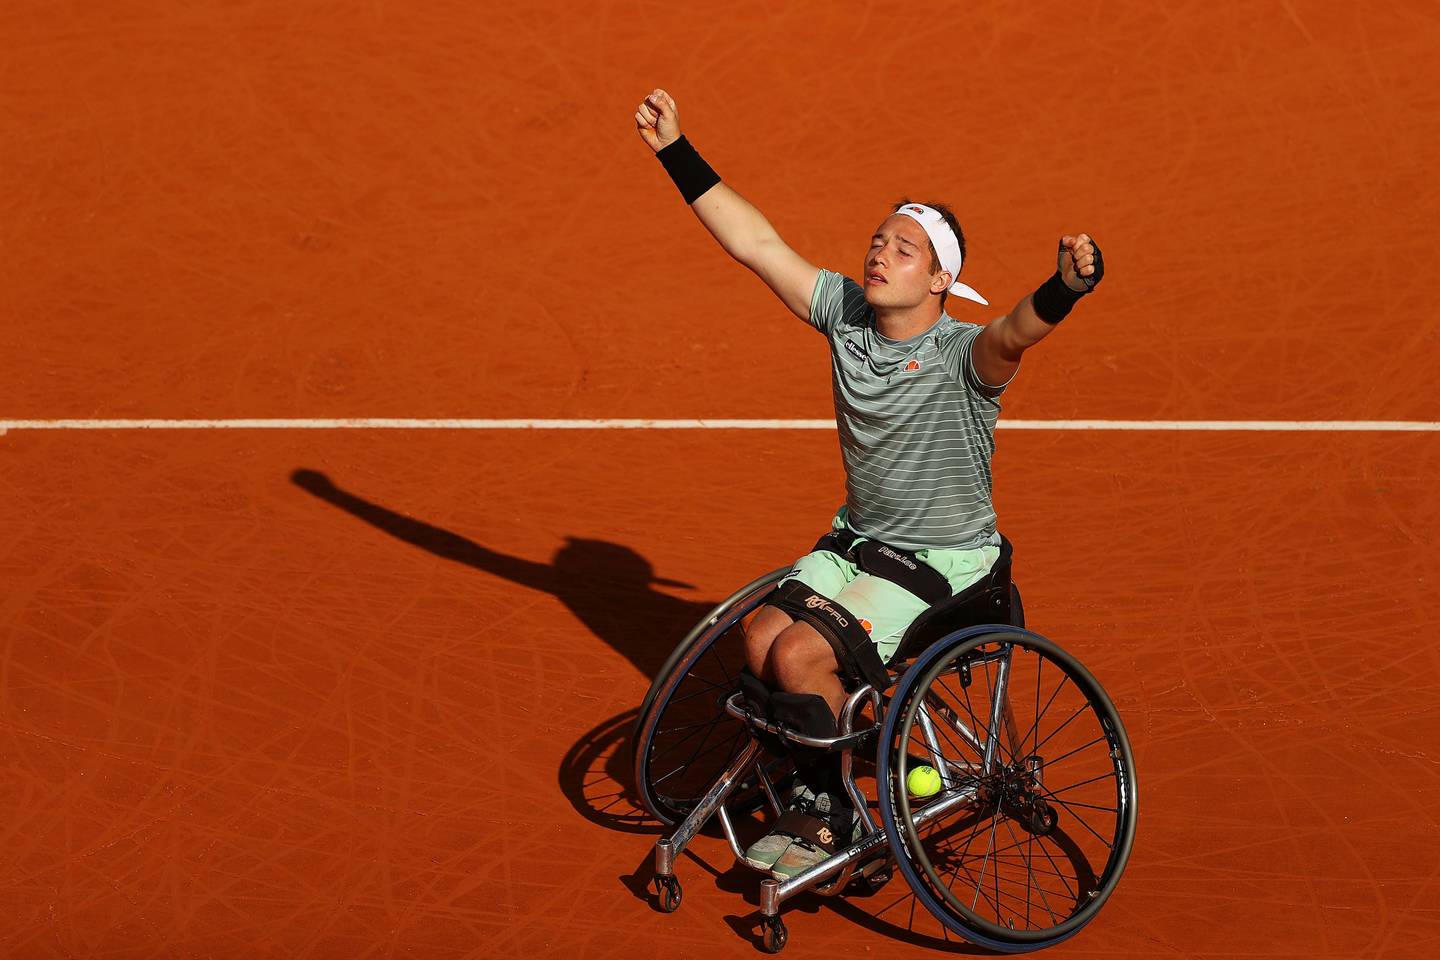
<point x="774" y="936"/>
<point x="670" y="893"/>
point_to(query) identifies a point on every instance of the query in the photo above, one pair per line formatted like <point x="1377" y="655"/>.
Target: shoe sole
<point x="782" y="877"/>
<point x="765" y="866"/>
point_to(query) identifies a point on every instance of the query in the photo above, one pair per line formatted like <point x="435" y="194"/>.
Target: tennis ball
<point x="922" y="781"/>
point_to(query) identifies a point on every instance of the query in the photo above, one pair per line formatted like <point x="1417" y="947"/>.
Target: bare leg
<point x="803" y="662"/>
<point x="760" y="632"/>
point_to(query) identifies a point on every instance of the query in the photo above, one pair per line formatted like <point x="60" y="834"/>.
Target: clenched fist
<point x="1080" y="264"/>
<point x="658" y="120"/>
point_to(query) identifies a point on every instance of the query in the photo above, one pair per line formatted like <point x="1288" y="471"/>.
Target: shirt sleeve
<point x="837" y="299"/>
<point x="960" y="364"/>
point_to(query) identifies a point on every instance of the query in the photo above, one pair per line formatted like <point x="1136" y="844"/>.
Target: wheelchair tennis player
<point x="917" y="395"/>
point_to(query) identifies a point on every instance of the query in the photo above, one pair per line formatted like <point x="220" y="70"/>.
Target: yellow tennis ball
<point x="923" y="781"/>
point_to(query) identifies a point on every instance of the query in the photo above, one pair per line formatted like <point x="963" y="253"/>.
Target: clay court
<point x="313" y="689"/>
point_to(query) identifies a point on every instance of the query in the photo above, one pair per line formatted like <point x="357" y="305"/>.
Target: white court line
<point x="410" y="423"/>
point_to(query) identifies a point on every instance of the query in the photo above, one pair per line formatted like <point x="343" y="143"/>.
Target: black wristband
<point x="688" y="169"/>
<point x="1052" y="300"/>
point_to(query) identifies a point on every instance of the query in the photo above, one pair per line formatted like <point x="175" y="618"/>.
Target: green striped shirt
<point x="917" y="425"/>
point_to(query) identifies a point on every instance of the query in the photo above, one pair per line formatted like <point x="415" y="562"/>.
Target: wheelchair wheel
<point x="683" y="737"/>
<point x="1035" y="816"/>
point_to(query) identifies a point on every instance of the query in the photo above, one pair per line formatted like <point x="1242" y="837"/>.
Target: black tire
<point x="1031" y="857"/>
<point x="683" y="737"/>
<point x="773" y="935"/>
<point x="669" y="894"/>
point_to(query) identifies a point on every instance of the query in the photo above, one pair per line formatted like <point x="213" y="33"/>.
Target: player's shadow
<point x="608" y="586"/>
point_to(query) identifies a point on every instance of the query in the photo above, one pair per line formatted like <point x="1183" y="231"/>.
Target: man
<point x="916" y="401"/>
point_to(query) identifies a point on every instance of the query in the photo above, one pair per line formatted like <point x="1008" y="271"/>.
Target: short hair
<point x="949" y="217"/>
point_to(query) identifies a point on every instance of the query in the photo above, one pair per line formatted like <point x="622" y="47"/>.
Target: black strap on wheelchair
<point x="806" y="712"/>
<point x="840" y="628"/>
<point x="889" y="563"/>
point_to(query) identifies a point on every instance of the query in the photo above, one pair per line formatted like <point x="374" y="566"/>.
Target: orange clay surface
<point x="367" y="694"/>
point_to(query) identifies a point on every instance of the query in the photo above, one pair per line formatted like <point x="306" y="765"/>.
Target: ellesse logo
<point x="913" y="365"/>
<point x="916" y="209"/>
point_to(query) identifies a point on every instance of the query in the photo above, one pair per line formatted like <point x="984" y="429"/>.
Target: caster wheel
<point x="669" y="890"/>
<point x="1040" y="819"/>
<point x="774" y="936"/>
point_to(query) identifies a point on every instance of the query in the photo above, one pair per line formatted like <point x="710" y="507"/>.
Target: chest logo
<point x="913" y="365"/>
<point x="854" y="350"/>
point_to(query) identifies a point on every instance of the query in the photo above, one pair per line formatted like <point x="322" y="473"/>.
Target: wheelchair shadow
<point x="608" y="587"/>
<point x="595" y="776"/>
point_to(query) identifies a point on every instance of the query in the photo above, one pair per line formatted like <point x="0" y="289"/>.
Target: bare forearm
<point x="733" y="221"/>
<point x="1020" y="330"/>
<point x="998" y="349"/>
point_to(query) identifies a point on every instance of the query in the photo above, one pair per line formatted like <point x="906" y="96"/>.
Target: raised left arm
<point x="997" y="351"/>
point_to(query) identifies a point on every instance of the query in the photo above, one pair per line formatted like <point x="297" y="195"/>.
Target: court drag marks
<point x="248" y="712"/>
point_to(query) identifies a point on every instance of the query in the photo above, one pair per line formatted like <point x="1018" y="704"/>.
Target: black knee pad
<point x="810" y="715"/>
<point x="756" y="693"/>
<point x="806" y="713"/>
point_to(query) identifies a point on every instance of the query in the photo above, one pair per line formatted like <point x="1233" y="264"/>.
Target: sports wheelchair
<point x="1035" y="814"/>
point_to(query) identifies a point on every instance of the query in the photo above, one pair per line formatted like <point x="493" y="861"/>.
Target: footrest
<point x="739" y="708"/>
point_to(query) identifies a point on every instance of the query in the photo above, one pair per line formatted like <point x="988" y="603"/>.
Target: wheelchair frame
<point x="879" y="847"/>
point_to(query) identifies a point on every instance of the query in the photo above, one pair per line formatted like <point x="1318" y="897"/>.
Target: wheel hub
<point x="1015" y="791"/>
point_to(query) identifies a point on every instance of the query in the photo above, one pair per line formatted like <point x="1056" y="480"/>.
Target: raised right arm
<point x="741" y="229"/>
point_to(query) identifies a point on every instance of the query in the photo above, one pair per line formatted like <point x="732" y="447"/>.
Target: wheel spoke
<point x="989" y="847"/>
<point x="1074" y="894"/>
<point x="700" y="752"/>
<point x="1040" y="713"/>
<point x="1107" y="775"/>
<point x="695" y="729"/>
<point x="1030" y="876"/>
<point x="1051" y="761"/>
<point x="1068" y="720"/>
<point x="731" y="680"/>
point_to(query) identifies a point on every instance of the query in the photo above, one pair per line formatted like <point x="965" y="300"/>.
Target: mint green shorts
<point x="885" y="608"/>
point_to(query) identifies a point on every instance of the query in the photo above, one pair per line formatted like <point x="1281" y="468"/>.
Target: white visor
<point x="947" y="247"/>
